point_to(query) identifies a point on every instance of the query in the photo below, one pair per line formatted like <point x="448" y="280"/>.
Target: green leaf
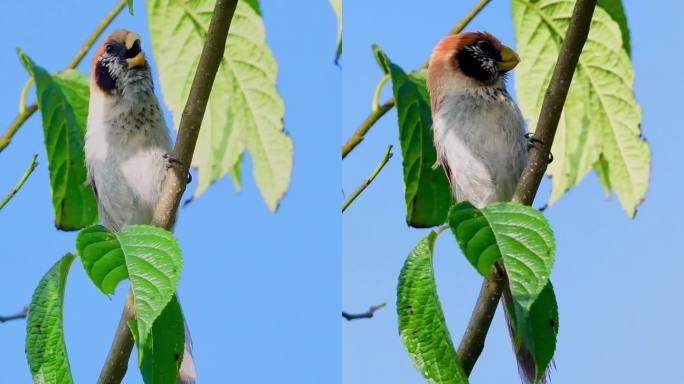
<point x="427" y="192"/>
<point x="518" y="233"/>
<point x="421" y="322"/>
<point x="64" y="109"/>
<point x="102" y="257"/>
<point x="245" y="111"/>
<point x="539" y="329"/>
<point x="160" y="357"/>
<point x="337" y="7"/>
<point x="601" y="118"/>
<point x="149" y="256"/>
<point x="616" y="10"/>
<point x="45" y="348"/>
<point x="130" y="6"/>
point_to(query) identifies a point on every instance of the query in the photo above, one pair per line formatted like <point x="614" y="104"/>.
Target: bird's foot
<point x="172" y="162"/>
<point x="533" y="142"/>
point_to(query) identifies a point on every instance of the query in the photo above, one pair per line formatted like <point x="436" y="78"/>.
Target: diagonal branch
<point x="575" y="37"/>
<point x="26" y="112"/>
<point x="380" y="111"/>
<point x="366" y="183"/>
<point x="175" y="181"/>
<point x="17" y="316"/>
<point x="21" y="182"/>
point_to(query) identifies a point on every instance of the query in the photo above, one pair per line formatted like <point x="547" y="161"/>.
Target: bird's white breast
<point x="479" y="135"/>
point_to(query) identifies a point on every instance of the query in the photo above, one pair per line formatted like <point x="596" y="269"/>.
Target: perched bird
<point x="127" y="143"/>
<point x="479" y="132"/>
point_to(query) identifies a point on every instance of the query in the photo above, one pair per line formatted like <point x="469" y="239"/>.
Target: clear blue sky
<point x="261" y="292"/>
<point x="618" y="281"/>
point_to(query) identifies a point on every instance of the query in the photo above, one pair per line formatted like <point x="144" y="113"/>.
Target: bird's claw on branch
<point x="533" y="141"/>
<point x="172" y="161"/>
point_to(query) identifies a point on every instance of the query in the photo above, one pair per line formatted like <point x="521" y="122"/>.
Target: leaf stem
<point x="554" y="99"/>
<point x="378" y="91"/>
<point x="369" y="180"/>
<point x="365" y="315"/>
<point x="176" y="177"/>
<point x="26" y="112"/>
<point x="21" y="182"/>
<point x="376" y="114"/>
<point x="24" y="94"/>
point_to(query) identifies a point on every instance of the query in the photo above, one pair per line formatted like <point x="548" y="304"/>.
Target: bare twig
<point x="366" y="183"/>
<point x="365" y="315"/>
<point x="527" y="187"/>
<point x="26" y="112"/>
<point x="21" y="182"/>
<point x="176" y="177"/>
<point x="17" y="316"/>
<point x="376" y="114"/>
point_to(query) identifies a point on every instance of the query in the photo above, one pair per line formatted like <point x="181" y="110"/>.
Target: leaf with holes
<point x="427" y="192"/>
<point x="45" y="347"/>
<point x="516" y="233"/>
<point x="63" y="104"/>
<point x="244" y="112"/>
<point x="421" y="322"/>
<point x="600" y="126"/>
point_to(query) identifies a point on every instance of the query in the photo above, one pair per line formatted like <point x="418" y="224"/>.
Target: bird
<point x="478" y="130"/>
<point x="127" y="143"/>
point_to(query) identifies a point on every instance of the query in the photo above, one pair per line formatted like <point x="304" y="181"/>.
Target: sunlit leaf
<point x="337" y="7"/>
<point x="245" y="111"/>
<point x="601" y="118"/>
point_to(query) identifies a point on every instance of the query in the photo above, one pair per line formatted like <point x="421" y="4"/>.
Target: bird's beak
<point x="509" y="59"/>
<point x="138" y="60"/>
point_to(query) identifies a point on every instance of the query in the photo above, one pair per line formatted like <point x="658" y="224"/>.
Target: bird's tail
<point x="187" y="373"/>
<point x="526" y="366"/>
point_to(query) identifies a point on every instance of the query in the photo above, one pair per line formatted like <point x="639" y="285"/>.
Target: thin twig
<point x="538" y="157"/>
<point x="375" y="115"/>
<point x="17" y="316"/>
<point x="20" y="183"/>
<point x="365" y="315"/>
<point x="29" y="110"/>
<point x="362" y="187"/>
<point x="176" y="177"/>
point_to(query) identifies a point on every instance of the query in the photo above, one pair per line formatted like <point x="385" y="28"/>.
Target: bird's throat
<point x="104" y="79"/>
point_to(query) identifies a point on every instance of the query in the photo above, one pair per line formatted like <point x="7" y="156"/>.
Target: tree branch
<point x="175" y="181"/>
<point x="375" y="115"/>
<point x="362" y="187"/>
<point x="29" y="110"/>
<point x="17" y="316"/>
<point x="575" y="37"/>
<point x="20" y="183"/>
<point x="365" y="315"/>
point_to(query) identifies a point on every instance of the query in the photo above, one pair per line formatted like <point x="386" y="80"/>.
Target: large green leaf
<point x="244" y="111"/>
<point x="601" y="118"/>
<point x="45" y="348"/>
<point x="421" y="322"/>
<point x="518" y="234"/>
<point x="63" y="103"/>
<point x="617" y="12"/>
<point x="149" y="256"/>
<point x="337" y="7"/>
<point x="161" y="355"/>
<point x="427" y="192"/>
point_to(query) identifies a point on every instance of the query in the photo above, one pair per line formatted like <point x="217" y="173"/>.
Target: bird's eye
<point x="109" y="48"/>
<point x="485" y="46"/>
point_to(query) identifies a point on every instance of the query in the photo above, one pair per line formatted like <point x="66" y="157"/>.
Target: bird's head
<point x="119" y="64"/>
<point x="469" y="59"/>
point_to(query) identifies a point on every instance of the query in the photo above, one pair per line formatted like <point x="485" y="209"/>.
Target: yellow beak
<point x="138" y="60"/>
<point x="509" y="59"/>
